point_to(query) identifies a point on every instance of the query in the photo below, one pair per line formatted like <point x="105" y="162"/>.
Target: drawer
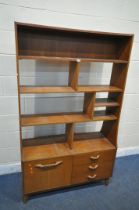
<point x="47" y="174"/>
<point x="99" y="156"/>
<point x="92" y="172"/>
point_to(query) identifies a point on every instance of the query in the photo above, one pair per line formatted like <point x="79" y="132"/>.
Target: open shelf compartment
<point x="57" y="42"/>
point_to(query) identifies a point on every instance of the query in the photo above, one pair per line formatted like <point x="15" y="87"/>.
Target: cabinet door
<point x="46" y="174"/>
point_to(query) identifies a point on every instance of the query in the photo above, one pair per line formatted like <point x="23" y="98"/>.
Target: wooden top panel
<point x="50" y="43"/>
<point x="92" y="143"/>
<point x="18" y="24"/>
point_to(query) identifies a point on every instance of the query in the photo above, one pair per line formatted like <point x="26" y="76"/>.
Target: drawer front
<point x="99" y="156"/>
<point x="47" y="174"/>
<point x="92" y="172"/>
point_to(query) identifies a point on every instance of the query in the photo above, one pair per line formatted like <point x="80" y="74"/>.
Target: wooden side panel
<point x="118" y="78"/>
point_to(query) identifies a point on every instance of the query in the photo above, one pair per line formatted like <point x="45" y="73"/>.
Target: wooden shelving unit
<point x="72" y="158"/>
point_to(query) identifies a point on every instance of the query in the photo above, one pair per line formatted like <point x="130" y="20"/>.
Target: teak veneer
<point x="72" y="158"/>
<point x="93" y="88"/>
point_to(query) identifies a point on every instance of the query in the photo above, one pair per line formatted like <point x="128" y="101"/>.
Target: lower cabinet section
<point x="47" y="174"/>
<point x="59" y="172"/>
<point x="87" y="173"/>
<point x="92" y="166"/>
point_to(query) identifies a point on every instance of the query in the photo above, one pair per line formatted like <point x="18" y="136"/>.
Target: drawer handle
<point x="92" y="177"/>
<point x="47" y="166"/>
<point x="95" y="157"/>
<point x="93" y="167"/>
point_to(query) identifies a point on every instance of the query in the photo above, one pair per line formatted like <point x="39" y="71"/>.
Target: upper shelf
<point x="43" y="43"/>
<point x="68" y="59"/>
<point x="67" y="89"/>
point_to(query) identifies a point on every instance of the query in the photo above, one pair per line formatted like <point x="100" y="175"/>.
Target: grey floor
<point x="121" y="194"/>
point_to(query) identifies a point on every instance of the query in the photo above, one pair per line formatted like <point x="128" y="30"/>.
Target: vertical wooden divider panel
<point x="89" y="104"/>
<point x="74" y="68"/>
<point x="70" y="134"/>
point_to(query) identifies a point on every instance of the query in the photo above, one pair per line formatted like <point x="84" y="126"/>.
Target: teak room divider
<point x="72" y="158"/>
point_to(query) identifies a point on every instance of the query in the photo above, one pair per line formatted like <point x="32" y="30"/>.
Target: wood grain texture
<point x="89" y="101"/>
<point x="84" y="143"/>
<point x="56" y="43"/>
<point x="98" y="88"/>
<point x="72" y="30"/>
<point x="82" y="173"/>
<point x="64" y="89"/>
<point x="68" y="59"/>
<point x="70" y="134"/>
<point x="37" y="179"/>
<point x="74" y="68"/>
<point x="46" y="119"/>
<point x="45" y="89"/>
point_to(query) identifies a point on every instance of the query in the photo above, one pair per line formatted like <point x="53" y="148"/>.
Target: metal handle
<point x="92" y="177"/>
<point x="51" y="165"/>
<point x="95" y="157"/>
<point x="93" y="167"/>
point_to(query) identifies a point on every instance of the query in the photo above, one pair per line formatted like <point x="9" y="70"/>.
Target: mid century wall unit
<point x="72" y="158"/>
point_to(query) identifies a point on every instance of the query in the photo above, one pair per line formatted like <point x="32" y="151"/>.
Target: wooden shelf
<point x="83" y="143"/>
<point x="68" y="59"/>
<point x="32" y="120"/>
<point x="64" y="89"/>
<point x="45" y="89"/>
<point x="100" y="102"/>
<point x="98" y="88"/>
<point x="102" y="116"/>
<point x="45" y="119"/>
